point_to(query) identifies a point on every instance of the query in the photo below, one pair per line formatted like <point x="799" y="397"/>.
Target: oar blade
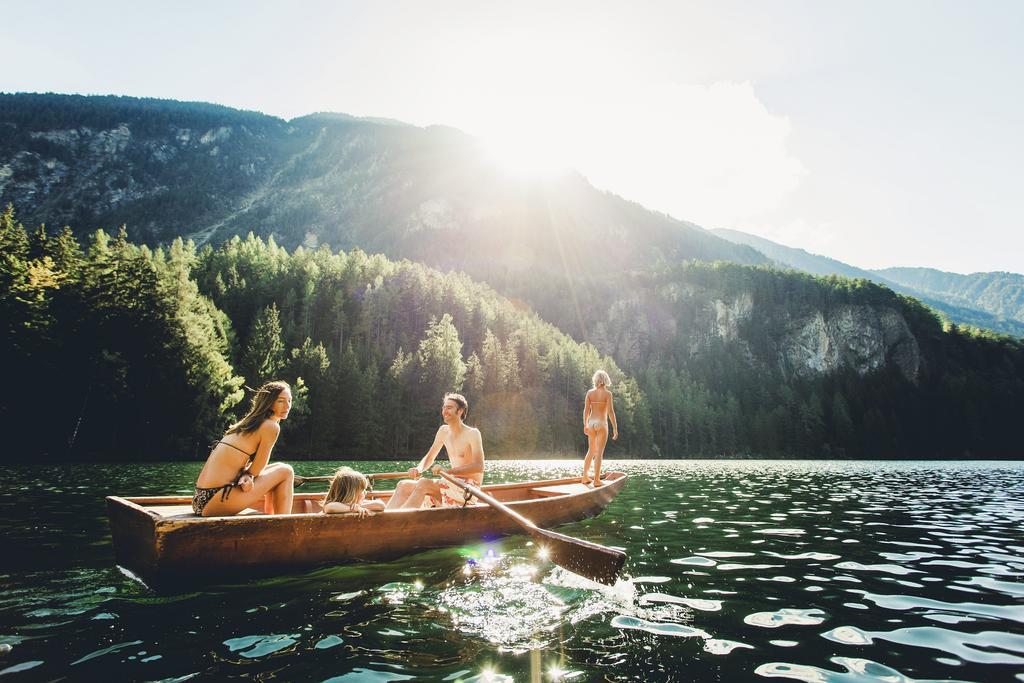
<point x="595" y="562"/>
<point x="582" y="557"/>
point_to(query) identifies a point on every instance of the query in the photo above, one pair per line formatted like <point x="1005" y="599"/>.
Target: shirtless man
<point x="465" y="449"/>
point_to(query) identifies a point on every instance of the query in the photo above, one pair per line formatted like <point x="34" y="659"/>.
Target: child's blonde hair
<point x="601" y="378"/>
<point x="346" y="486"/>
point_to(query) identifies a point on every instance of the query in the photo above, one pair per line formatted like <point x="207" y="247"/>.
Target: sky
<point x="878" y="133"/>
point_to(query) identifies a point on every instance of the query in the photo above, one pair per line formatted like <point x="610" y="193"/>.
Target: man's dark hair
<point x="460" y="401"/>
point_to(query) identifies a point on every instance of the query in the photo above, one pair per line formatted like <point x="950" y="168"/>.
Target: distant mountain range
<point x="999" y="293"/>
<point x="993" y="301"/>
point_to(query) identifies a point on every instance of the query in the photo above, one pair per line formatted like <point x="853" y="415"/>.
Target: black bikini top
<point x="248" y="455"/>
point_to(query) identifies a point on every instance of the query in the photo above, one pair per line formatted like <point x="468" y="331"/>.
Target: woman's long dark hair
<point x="261" y="408"/>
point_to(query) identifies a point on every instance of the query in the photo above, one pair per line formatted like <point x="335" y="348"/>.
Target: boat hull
<point x="154" y="544"/>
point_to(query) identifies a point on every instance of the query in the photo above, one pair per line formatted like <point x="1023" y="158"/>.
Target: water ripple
<point x="908" y="602"/>
<point x="660" y="629"/>
<point x="785" y="617"/>
<point x="867" y="571"/>
<point x="856" y="670"/>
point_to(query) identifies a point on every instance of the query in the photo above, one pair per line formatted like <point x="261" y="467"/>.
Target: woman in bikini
<point x="598" y="408"/>
<point x="240" y="459"/>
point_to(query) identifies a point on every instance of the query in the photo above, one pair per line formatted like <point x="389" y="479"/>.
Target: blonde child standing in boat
<point x="348" y="494"/>
<point x="465" y="449"/>
<point x="240" y="458"/>
<point x="598" y="408"/>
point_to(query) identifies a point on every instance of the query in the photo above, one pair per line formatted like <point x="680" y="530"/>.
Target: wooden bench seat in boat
<point x="561" y="490"/>
<point x="172" y="511"/>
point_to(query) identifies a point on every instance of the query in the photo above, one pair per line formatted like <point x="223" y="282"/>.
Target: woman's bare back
<point x="600" y="400"/>
<point x="228" y="457"/>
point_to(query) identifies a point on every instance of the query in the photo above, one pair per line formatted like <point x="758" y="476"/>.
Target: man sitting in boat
<point x="465" y="450"/>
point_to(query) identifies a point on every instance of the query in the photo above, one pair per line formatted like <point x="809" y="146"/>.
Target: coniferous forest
<point x="121" y="350"/>
<point x="118" y="350"/>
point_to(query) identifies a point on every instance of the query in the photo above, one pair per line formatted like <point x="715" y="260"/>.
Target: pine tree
<point x="263" y="358"/>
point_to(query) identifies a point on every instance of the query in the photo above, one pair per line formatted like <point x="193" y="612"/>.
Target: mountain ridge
<point x="431" y="195"/>
<point x="1000" y="293"/>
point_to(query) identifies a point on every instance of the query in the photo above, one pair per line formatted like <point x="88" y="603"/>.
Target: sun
<point x="526" y="153"/>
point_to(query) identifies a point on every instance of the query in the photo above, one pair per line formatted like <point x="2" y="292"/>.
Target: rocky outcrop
<point x="136" y="172"/>
<point x="74" y="166"/>
<point x="861" y="338"/>
<point x="795" y="344"/>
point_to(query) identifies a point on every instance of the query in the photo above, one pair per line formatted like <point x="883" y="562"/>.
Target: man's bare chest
<point x="457" y="449"/>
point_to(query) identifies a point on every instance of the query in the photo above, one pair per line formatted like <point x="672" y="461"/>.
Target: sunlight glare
<point x="492" y="676"/>
<point x="525" y="154"/>
<point x="522" y="571"/>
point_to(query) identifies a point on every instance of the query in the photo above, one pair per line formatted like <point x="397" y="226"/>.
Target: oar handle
<point x="300" y="480"/>
<point x="388" y="475"/>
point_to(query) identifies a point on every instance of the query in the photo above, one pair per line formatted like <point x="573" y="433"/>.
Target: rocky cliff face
<point x="73" y="166"/>
<point x="158" y="166"/>
<point x="795" y="343"/>
<point x="861" y="338"/>
<point x="161" y="183"/>
<point x="993" y="301"/>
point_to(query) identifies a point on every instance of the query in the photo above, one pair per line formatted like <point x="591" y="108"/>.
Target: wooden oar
<point x="582" y="557"/>
<point x="300" y="480"/>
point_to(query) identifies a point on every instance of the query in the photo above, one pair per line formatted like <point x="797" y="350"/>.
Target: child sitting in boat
<point x="347" y="494"/>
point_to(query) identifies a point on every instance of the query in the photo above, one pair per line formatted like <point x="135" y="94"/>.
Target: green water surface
<point x="737" y="570"/>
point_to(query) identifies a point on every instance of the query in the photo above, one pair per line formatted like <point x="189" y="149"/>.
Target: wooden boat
<point x="160" y="537"/>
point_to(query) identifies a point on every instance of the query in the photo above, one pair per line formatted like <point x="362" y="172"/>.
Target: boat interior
<point x="303" y="503"/>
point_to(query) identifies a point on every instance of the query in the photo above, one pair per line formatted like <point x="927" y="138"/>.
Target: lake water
<point x="737" y="570"/>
